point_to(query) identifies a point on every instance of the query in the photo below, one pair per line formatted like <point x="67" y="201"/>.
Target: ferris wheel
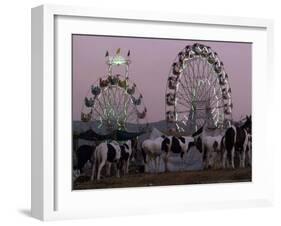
<point x="114" y="102"/>
<point x="198" y="91"/>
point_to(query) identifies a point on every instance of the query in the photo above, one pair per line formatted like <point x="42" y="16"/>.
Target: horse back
<point x="241" y="136"/>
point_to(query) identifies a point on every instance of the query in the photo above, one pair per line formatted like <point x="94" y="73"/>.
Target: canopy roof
<point x="115" y="135"/>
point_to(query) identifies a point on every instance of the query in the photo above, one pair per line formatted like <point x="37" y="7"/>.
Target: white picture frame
<point x="52" y="197"/>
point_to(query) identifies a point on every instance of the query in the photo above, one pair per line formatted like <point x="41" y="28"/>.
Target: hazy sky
<point x="151" y="62"/>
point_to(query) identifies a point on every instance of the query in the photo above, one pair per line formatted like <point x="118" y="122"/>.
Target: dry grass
<point x="171" y="178"/>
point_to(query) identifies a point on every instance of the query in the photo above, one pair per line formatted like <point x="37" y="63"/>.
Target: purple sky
<point x="151" y="62"/>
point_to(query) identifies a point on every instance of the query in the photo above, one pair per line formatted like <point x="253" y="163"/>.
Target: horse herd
<point x="218" y="151"/>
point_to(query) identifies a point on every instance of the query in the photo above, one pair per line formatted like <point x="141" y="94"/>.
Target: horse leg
<point x="127" y="166"/>
<point x="166" y="162"/>
<point x="244" y="152"/>
<point x="118" y="172"/>
<point x="224" y="159"/>
<point x="146" y="165"/>
<point x="95" y="165"/>
<point x="205" y="158"/>
<point x="158" y="166"/>
<point x="249" y="155"/>
<point x="232" y="157"/>
<point x="155" y="164"/>
<point x="149" y="164"/>
<point x="182" y="162"/>
<point x="93" y="171"/>
<point x="108" y="169"/>
<point x="243" y="158"/>
<point x="100" y="168"/>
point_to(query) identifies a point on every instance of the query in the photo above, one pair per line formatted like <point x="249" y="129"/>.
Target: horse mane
<point x="247" y="123"/>
<point x="199" y="131"/>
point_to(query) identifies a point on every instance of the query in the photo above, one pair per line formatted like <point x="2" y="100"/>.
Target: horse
<point x="235" y="142"/>
<point x="210" y="147"/>
<point x="108" y="153"/>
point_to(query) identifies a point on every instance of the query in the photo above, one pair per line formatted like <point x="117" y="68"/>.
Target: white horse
<point x="152" y="148"/>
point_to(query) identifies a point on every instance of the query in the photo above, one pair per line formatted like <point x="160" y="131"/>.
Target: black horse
<point x="236" y="141"/>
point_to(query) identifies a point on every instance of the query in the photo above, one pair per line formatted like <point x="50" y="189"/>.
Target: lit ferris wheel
<point x="198" y="90"/>
<point x="114" y="101"/>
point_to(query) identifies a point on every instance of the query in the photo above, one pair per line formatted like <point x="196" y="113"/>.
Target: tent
<point x="155" y="133"/>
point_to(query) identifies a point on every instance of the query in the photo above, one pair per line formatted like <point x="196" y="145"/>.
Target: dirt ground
<point x="170" y="178"/>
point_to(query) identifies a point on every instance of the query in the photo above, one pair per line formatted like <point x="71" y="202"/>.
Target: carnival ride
<point x="198" y="91"/>
<point x="113" y="102"/>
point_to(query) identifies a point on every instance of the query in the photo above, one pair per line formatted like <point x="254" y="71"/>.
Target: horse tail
<point x="143" y="155"/>
<point x="222" y="147"/>
<point x="98" y="155"/>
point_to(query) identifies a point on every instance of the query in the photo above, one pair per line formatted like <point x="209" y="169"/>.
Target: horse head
<point x="248" y="124"/>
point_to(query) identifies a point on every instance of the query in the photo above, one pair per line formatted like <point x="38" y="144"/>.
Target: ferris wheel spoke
<point x="105" y="93"/>
<point x="183" y="96"/>
<point x="132" y="115"/>
<point x="184" y="112"/>
<point x="120" y="100"/>
<point x="214" y="100"/>
<point x="185" y="90"/>
<point x="220" y="106"/>
<point x="98" y="113"/>
<point x="183" y="104"/>
<point x="124" y="100"/>
<point x="206" y="94"/>
<point x="209" y="74"/>
<point x="194" y="86"/>
<point x="201" y="89"/>
<point x="103" y="98"/>
<point x="216" y="93"/>
<point x="112" y="96"/>
<point x="115" y="90"/>
<point x="199" y="61"/>
<point x="100" y="105"/>
<point x="204" y="68"/>
<point x="192" y="69"/>
<point x="131" y="110"/>
<point x="127" y="103"/>
<point x="132" y="118"/>
<point x="188" y="82"/>
<point x="111" y="99"/>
